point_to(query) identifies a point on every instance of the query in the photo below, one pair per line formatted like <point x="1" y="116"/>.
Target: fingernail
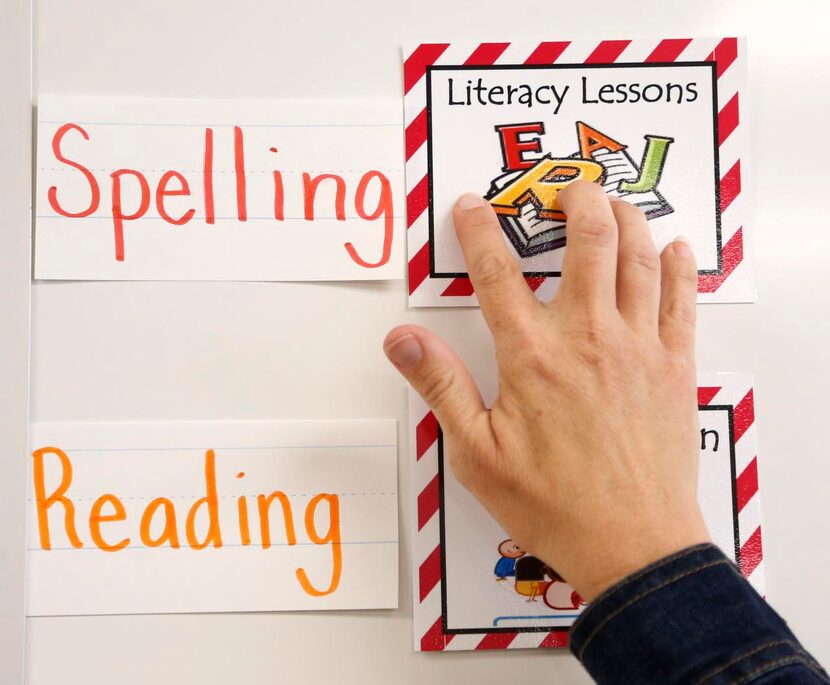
<point x="405" y="351"/>
<point x="614" y="198"/>
<point x="471" y="201"/>
<point x="682" y="245"/>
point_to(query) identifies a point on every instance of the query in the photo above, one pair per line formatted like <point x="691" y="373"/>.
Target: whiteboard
<point x="107" y="351"/>
<point x="15" y="181"/>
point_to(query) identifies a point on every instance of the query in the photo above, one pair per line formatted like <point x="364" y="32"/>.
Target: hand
<point x="588" y="456"/>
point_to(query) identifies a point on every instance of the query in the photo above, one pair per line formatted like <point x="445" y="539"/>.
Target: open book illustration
<point x="525" y="200"/>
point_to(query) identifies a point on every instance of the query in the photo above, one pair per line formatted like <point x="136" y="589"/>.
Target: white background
<point x="462" y="161"/>
<point x="191" y="350"/>
<point x="715" y="484"/>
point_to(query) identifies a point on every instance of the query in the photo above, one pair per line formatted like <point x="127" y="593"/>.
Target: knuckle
<point x="681" y="310"/>
<point x="629" y="212"/>
<point x="494" y="268"/>
<point x="437" y="386"/>
<point x="592" y="226"/>
<point x="537" y="360"/>
<point x="523" y="332"/>
<point x="594" y="356"/>
<point x="634" y="211"/>
<point x="645" y="259"/>
<point x="582" y="190"/>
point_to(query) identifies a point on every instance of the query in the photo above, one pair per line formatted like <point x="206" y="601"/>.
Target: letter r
<point x="541" y="185"/>
<point x="43" y="503"/>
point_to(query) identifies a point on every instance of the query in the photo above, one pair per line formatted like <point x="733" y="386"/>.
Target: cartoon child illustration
<point x="530" y="577"/>
<point x="533" y="578"/>
<point x="506" y="566"/>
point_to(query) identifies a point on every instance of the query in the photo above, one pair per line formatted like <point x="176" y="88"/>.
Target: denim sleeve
<point x="689" y="619"/>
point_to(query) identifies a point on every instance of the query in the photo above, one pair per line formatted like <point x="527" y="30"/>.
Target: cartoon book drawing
<point x="621" y="169"/>
<point x="528" y="232"/>
<point x="534" y="224"/>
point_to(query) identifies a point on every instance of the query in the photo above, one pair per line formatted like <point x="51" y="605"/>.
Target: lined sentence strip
<point x="136" y="123"/>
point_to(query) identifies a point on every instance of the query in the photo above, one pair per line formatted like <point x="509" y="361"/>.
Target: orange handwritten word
<point x="108" y="510"/>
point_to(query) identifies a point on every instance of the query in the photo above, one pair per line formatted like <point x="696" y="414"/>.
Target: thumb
<point x="437" y="374"/>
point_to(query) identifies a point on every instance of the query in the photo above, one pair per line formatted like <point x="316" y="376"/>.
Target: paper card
<point x="473" y="591"/>
<point x="137" y="518"/>
<point x="660" y="123"/>
<point x="272" y="190"/>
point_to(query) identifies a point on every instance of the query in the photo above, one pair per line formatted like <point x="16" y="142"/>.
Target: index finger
<point x="589" y="269"/>
<point x="502" y="292"/>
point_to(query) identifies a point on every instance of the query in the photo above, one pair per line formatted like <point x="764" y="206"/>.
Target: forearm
<point x="689" y="618"/>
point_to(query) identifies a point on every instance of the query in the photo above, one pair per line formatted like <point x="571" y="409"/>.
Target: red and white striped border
<point x="714" y="389"/>
<point x="736" y="390"/>
<point x="734" y="284"/>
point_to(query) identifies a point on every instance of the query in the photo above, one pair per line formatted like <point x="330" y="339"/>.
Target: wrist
<point x="620" y="556"/>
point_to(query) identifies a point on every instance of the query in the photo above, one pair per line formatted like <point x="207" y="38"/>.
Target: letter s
<point x="95" y="193"/>
<point x="691" y="89"/>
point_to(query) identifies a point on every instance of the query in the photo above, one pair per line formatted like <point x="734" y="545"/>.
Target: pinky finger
<point x="678" y="296"/>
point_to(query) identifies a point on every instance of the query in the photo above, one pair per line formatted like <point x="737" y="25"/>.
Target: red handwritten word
<point x="174" y="184"/>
